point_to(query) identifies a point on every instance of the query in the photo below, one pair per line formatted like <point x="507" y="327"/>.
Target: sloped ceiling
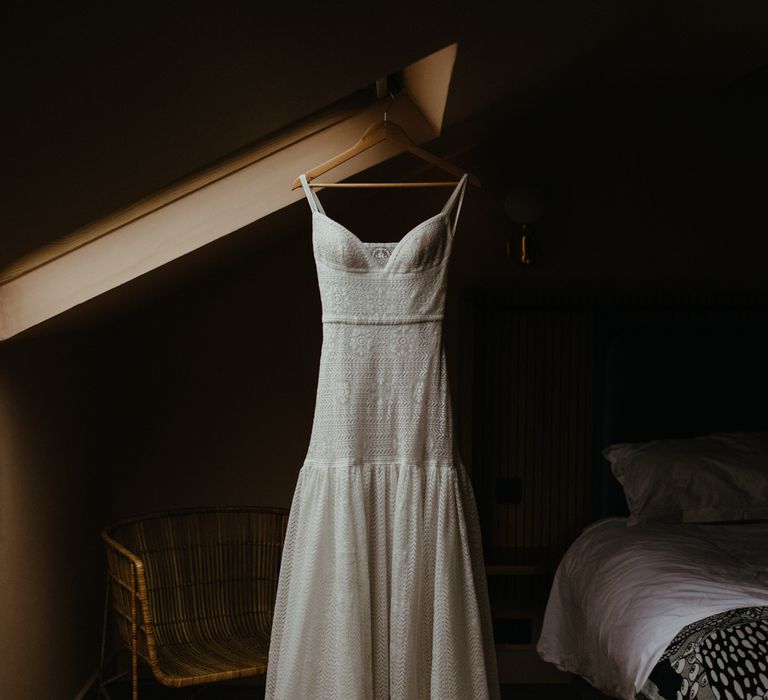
<point x="104" y="108"/>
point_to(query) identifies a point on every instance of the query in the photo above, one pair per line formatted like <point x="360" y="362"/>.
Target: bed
<point x="663" y="604"/>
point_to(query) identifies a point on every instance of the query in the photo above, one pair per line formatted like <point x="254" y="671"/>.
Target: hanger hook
<point x="389" y="105"/>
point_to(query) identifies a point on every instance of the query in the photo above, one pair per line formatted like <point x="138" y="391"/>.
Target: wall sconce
<point x="523" y="207"/>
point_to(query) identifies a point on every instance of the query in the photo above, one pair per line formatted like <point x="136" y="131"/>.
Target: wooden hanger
<point x="377" y="132"/>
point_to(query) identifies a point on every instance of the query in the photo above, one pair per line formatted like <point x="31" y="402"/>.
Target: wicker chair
<point x="192" y="592"/>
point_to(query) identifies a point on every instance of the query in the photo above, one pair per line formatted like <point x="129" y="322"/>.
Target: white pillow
<point x="718" y="477"/>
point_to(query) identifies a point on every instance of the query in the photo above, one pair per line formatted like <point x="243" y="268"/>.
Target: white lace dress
<point x="382" y="591"/>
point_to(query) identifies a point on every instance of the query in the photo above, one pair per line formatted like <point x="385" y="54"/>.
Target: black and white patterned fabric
<point x="723" y="657"/>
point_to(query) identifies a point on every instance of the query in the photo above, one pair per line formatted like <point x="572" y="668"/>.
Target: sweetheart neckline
<point x="397" y="244"/>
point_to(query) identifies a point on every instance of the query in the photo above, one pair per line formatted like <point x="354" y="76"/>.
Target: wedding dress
<point x="382" y="590"/>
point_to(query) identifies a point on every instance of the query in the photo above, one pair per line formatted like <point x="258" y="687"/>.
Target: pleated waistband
<point x="373" y="321"/>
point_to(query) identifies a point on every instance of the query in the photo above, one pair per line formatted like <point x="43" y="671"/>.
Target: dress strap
<point x="458" y="192"/>
<point x="314" y="202"/>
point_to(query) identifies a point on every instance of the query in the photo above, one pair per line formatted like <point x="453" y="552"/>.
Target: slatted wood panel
<point x="533" y="420"/>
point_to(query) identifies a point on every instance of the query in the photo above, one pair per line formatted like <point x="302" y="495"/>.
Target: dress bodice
<point x="372" y="282"/>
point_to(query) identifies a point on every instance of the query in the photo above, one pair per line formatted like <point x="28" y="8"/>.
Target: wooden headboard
<point x="667" y="375"/>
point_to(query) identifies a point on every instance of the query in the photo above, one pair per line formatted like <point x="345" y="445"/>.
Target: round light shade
<point x="524" y="205"/>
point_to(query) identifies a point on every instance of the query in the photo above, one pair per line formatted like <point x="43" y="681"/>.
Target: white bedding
<point x="621" y="594"/>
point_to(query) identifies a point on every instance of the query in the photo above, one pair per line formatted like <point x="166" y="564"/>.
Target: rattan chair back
<point x="193" y="590"/>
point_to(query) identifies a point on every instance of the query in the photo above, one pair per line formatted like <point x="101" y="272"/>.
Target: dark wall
<point x="660" y="189"/>
<point x="214" y="387"/>
<point x="54" y="486"/>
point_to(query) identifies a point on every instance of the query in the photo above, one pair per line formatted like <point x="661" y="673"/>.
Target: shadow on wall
<point x="54" y="498"/>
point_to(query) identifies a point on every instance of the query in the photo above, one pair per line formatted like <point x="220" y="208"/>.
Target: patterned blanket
<point x="723" y="657"/>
